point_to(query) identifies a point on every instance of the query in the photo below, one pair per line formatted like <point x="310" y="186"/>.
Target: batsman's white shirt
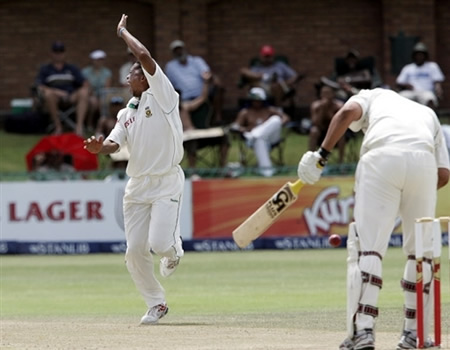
<point x="389" y="120"/>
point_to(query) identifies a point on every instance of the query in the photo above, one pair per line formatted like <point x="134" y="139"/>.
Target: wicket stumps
<point x="437" y="250"/>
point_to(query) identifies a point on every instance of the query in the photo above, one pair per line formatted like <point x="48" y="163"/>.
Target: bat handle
<point x="297" y="186"/>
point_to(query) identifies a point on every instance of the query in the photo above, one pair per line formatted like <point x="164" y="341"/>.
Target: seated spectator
<point x="322" y="110"/>
<point x="125" y="68"/>
<point x="421" y="80"/>
<point x="119" y="163"/>
<point x="61" y="84"/>
<point x="260" y="125"/>
<point x="351" y="74"/>
<point x="187" y="107"/>
<point x="53" y="165"/>
<point x="274" y="76"/>
<point x="107" y="122"/>
<point x="186" y="75"/>
<point x="98" y="77"/>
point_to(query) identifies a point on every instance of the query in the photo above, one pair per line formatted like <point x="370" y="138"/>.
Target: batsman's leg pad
<point x="371" y="270"/>
<point x="354" y="280"/>
<point x="408" y="284"/>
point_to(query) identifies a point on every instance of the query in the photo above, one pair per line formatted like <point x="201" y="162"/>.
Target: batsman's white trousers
<point x="152" y="206"/>
<point x="390" y="182"/>
<point x="261" y="138"/>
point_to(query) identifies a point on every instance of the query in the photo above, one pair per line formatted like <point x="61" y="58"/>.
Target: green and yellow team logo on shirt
<point x="148" y="112"/>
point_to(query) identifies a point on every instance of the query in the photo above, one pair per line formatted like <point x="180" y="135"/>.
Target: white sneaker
<point x="347" y="344"/>
<point x="409" y="341"/>
<point x="154" y="314"/>
<point x="364" y="340"/>
<point x="168" y="266"/>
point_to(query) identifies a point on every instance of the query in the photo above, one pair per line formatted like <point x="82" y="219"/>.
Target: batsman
<point x="403" y="162"/>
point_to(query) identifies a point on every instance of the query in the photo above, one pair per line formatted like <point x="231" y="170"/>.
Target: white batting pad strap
<point x="354" y="280"/>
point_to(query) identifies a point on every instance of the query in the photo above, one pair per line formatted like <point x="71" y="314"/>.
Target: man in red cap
<point x="274" y="76"/>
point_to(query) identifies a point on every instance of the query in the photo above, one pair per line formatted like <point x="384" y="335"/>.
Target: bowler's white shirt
<point x="152" y="131"/>
<point x="390" y="120"/>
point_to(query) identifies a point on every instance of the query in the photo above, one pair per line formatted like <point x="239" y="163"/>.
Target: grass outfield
<point x="249" y="300"/>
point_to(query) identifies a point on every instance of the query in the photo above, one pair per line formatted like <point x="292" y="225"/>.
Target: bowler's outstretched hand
<point x="122" y="24"/>
<point x="94" y="145"/>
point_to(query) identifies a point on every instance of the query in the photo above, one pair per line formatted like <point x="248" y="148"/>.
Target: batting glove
<point x="310" y="167"/>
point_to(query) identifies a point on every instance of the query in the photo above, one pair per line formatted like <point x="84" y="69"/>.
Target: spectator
<point x="186" y="75"/>
<point x="186" y="107"/>
<point x="61" y="84"/>
<point x="353" y="73"/>
<point x="322" y="110"/>
<point x="105" y="125"/>
<point x="107" y="122"/>
<point x="125" y="68"/>
<point x="99" y="77"/>
<point x="421" y="80"/>
<point x="260" y="125"/>
<point x="53" y="165"/>
<point x="119" y="163"/>
<point x="274" y="76"/>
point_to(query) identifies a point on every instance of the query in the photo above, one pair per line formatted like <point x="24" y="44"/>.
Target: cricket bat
<point x="257" y="223"/>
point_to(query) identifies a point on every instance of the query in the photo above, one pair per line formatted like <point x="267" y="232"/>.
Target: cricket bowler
<point x="150" y="126"/>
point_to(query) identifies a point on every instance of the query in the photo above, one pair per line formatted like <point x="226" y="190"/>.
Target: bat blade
<point x="257" y="223"/>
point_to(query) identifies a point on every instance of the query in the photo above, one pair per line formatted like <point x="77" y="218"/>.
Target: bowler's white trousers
<point x="152" y="206"/>
<point x="390" y="182"/>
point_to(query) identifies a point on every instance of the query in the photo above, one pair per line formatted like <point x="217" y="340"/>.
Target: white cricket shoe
<point x="168" y="266"/>
<point x="347" y="344"/>
<point x="409" y="341"/>
<point x="362" y="340"/>
<point x="154" y="314"/>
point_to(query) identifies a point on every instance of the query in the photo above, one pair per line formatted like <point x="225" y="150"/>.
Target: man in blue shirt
<point x="61" y="84"/>
<point x="186" y="73"/>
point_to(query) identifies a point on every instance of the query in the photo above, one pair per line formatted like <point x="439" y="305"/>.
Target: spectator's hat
<point x="116" y="100"/>
<point x="97" y="55"/>
<point x="267" y="51"/>
<point x="175" y="44"/>
<point x="353" y="53"/>
<point x="257" y="94"/>
<point x="420" y="47"/>
<point x="58" y="46"/>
